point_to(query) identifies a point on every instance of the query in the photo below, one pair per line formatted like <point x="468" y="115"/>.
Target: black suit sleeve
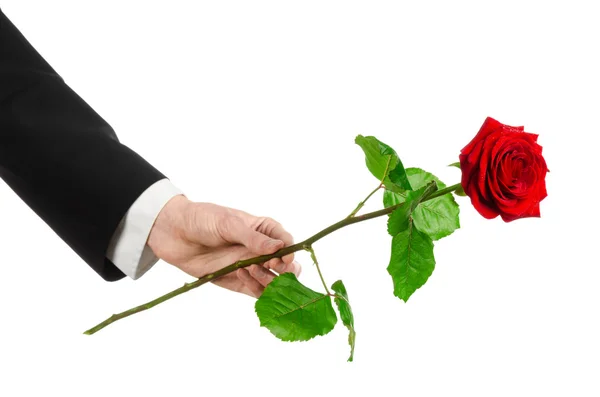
<point x="61" y="157"/>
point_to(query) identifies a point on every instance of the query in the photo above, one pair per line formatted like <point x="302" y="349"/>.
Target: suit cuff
<point x="128" y="249"/>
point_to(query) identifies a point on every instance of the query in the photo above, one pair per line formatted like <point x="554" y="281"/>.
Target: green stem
<point x="259" y="259"/>
<point x="314" y="258"/>
<point x="443" y="191"/>
<point x="362" y="203"/>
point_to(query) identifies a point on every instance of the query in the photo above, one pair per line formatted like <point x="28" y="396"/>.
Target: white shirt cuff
<point x="128" y="249"/>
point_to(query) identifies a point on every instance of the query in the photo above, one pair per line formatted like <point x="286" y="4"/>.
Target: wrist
<point x="169" y="224"/>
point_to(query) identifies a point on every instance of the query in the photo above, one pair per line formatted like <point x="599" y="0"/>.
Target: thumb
<point x="236" y="231"/>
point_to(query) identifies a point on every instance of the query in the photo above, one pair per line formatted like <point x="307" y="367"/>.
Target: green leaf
<point x="438" y="217"/>
<point x="343" y="305"/>
<point x="293" y="312"/>
<point x="411" y="262"/>
<point x="384" y="163"/>
<point x="399" y="219"/>
<point x="391" y="198"/>
<point x="398" y="177"/>
<point x="460" y="192"/>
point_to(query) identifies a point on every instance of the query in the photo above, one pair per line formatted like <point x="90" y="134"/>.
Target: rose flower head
<point x="503" y="172"/>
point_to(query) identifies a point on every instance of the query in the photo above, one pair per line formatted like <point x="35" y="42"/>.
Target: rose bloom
<point x="503" y="172"/>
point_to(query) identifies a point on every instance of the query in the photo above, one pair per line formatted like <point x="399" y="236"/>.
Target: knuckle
<point x="268" y="224"/>
<point x="269" y="220"/>
<point x="227" y="223"/>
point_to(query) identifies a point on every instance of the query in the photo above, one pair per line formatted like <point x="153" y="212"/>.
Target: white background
<point x="255" y="105"/>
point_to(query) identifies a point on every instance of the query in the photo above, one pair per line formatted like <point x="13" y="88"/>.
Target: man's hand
<point x="201" y="238"/>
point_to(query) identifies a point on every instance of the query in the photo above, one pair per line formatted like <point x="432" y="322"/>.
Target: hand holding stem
<point x="266" y="258"/>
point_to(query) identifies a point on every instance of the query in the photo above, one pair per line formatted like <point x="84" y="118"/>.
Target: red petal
<point x="484" y="208"/>
<point x="489" y="126"/>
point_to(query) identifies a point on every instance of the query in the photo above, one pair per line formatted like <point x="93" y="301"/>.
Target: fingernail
<point x="258" y="272"/>
<point x="273" y="243"/>
<point x="269" y="264"/>
<point x="243" y="274"/>
<point x="298" y="268"/>
<point x="280" y="267"/>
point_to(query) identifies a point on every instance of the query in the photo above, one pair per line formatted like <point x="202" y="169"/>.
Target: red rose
<point x="503" y="172"/>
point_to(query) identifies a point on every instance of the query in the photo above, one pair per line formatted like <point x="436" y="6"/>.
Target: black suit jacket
<point x="61" y="157"/>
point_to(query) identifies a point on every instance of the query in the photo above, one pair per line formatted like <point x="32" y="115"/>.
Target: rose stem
<point x="304" y="245"/>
